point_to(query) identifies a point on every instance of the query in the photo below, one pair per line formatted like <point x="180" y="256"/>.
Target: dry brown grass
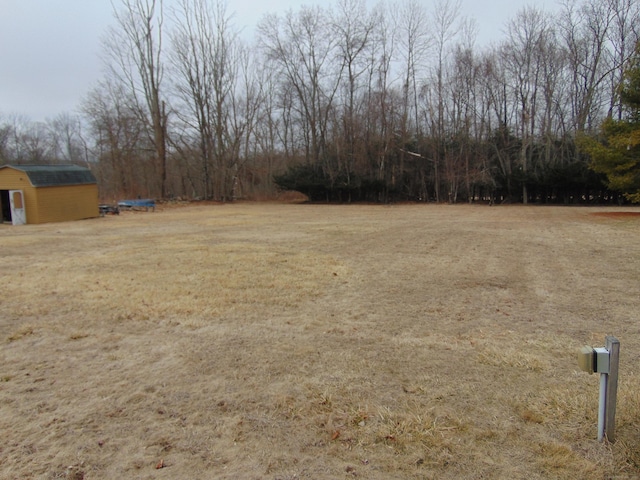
<point x="268" y="341"/>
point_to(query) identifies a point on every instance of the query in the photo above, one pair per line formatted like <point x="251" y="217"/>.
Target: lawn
<point x="288" y="341"/>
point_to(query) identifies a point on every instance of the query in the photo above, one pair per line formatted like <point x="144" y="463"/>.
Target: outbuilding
<point x="47" y="193"/>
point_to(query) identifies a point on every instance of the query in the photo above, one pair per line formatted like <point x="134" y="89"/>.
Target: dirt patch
<point x="317" y="342"/>
<point x="617" y="214"/>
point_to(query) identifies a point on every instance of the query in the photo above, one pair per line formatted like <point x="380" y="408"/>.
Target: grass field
<point x="272" y="341"/>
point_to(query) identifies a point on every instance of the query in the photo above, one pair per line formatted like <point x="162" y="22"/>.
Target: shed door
<point x="18" y="214"/>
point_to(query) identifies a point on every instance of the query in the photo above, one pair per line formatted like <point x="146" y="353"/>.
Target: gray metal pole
<point x="602" y="406"/>
<point x="612" y="344"/>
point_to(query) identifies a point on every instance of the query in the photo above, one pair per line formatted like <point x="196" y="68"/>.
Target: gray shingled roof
<point x="55" y="175"/>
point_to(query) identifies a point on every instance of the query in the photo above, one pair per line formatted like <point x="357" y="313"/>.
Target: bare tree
<point x="380" y="114"/>
<point x="527" y="34"/>
<point x="67" y="140"/>
<point x="354" y="28"/>
<point x="302" y="49"/>
<point x="269" y="131"/>
<point x="623" y="36"/>
<point x="246" y="105"/>
<point x="205" y="59"/>
<point x="124" y="164"/>
<point x="414" y="42"/>
<point x="584" y="29"/>
<point x="465" y="126"/>
<point x="134" y="56"/>
<point x="446" y="17"/>
<point x="5" y="135"/>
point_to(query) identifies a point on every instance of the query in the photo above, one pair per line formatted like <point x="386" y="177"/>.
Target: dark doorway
<point x="6" y="206"/>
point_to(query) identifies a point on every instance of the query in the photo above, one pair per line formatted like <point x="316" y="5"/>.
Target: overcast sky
<point x="49" y="49"/>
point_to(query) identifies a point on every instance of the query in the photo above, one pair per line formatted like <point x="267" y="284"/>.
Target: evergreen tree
<point x="616" y="152"/>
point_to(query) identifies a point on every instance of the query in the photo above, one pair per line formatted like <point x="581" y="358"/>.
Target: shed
<point x="47" y="193"/>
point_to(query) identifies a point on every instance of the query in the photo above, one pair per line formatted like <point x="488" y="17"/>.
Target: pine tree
<point x="616" y="151"/>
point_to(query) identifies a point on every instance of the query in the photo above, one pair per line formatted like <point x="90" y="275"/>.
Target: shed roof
<point x="55" y="175"/>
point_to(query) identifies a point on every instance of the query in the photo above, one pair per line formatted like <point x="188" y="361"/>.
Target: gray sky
<point x="49" y="49"/>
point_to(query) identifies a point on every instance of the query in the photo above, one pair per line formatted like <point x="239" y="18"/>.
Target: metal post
<point x="604" y="360"/>
<point x="612" y="344"/>
<point x="602" y="406"/>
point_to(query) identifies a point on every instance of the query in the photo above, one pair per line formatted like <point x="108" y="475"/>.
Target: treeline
<point x="346" y="103"/>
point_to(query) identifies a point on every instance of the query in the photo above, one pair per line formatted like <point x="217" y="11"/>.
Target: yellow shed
<point x="47" y="193"/>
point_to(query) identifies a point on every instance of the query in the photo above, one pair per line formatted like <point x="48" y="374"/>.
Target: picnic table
<point x="108" y="209"/>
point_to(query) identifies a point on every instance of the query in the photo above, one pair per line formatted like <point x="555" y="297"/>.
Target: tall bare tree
<point x="67" y="139"/>
<point x="414" y="42"/>
<point x="302" y="48"/>
<point x="522" y="50"/>
<point x="584" y="29"/>
<point x="623" y="36"/>
<point x="380" y="118"/>
<point x="354" y="28"/>
<point x="134" y="56"/>
<point x="121" y="147"/>
<point x="446" y="27"/>
<point x="205" y="59"/>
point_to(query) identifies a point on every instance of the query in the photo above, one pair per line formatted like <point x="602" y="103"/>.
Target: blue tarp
<point x="138" y="203"/>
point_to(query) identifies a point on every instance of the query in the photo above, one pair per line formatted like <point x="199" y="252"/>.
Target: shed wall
<point x="11" y="179"/>
<point x="59" y="204"/>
